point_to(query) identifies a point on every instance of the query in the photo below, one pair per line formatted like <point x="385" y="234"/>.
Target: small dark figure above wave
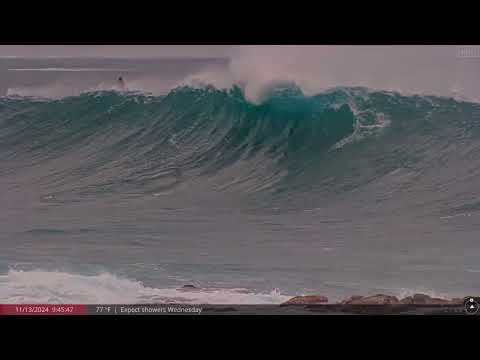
<point x="121" y="84"/>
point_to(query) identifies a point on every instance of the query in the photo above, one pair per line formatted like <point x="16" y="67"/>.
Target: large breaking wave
<point x="209" y="139"/>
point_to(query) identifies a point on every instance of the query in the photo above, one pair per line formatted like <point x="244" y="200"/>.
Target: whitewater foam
<point x="403" y="293"/>
<point x="52" y="91"/>
<point x="362" y="131"/>
<point x="40" y="286"/>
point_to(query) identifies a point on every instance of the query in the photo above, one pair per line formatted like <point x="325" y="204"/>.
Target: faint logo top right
<point x="468" y="51"/>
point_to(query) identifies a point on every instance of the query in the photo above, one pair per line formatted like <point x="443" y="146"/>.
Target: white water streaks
<point x="39" y="286"/>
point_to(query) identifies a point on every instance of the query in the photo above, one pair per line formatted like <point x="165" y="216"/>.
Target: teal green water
<point x="348" y="191"/>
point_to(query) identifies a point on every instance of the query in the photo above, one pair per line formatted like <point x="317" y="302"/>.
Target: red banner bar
<point x="43" y="309"/>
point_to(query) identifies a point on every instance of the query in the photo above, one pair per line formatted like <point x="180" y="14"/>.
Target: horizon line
<point x="113" y="57"/>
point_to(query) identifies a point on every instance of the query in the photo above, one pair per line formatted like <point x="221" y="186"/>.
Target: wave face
<point x="107" y="142"/>
<point x="156" y="143"/>
<point x="339" y="192"/>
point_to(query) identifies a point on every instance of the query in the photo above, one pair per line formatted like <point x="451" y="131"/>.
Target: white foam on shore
<point x="403" y="293"/>
<point x="39" y="286"/>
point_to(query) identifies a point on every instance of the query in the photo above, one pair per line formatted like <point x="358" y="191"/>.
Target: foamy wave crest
<point x="59" y="287"/>
<point x="114" y="86"/>
<point x="219" y="79"/>
<point x="255" y="89"/>
<point x="52" y="91"/>
<point x="316" y="68"/>
<point x="55" y="91"/>
<point x="403" y="293"/>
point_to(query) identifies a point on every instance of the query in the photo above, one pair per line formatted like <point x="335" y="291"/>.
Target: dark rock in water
<point x="379" y="299"/>
<point x="422" y="299"/>
<point x="188" y="287"/>
<point x="306" y="300"/>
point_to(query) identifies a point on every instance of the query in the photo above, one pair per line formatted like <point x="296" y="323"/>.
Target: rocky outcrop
<point x="379" y="299"/>
<point x="307" y="300"/>
<point x="379" y="304"/>
<point x="422" y="299"/>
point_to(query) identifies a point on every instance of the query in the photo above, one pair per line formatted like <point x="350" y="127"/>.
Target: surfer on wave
<point x="121" y="84"/>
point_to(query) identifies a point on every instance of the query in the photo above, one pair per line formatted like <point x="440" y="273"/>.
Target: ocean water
<point x="112" y="196"/>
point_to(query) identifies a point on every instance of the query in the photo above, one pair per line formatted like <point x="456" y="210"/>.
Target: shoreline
<point x="377" y="299"/>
